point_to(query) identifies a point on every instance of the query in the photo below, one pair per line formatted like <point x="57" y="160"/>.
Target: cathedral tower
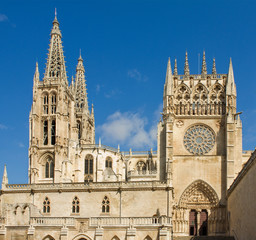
<point x="60" y="119"/>
<point x="200" y="139"/>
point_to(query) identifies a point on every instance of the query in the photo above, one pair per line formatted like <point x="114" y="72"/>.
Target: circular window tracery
<point x="199" y="139"/>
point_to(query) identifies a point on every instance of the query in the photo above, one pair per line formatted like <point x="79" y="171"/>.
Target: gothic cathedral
<point x="80" y="190"/>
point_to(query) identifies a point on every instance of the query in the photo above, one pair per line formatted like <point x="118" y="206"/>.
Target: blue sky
<point x="125" y="45"/>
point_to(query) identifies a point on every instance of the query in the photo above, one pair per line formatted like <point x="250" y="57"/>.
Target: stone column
<point x="31" y="233"/>
<point x="64" y="233"/>
<point x="99" y="233"/>
<point x="163" y="234"/>
<point x="2" y="232"/>
<point x="198" y="221"/>
<point x="131" y="233"/>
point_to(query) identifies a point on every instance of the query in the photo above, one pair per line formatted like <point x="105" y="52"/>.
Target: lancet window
<point x="49" y="168"/>
<point x="53" y="132"/>
<point x="105" y="205"/>
<point x="53" y="103"/>
<point x="46" y="205"/>
<point x="45" y="104"/>
<point x="45" y="132"/>
<point x="79" y="130"/>
<point x="108" y="162"/>
<point x="75" y="205"/>
<point x="88" y="166"/>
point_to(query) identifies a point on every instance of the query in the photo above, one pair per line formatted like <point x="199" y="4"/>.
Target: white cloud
<point x="135" y="74"/>
<point x="2" y="127"/>
<point x="98" y="87"/>
<point x="129" y="130"/>
<point x="3" y="18"/>
<point x="21" y="145"/>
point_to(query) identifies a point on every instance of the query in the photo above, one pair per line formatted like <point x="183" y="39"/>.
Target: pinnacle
<point x="175" y="71"/>
<point x="214" y="71"/>
<point x="204" y="68"/>
<point x="186" y="66"/>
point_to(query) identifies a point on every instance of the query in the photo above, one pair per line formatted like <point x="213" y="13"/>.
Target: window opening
<point x="45" y="133"/>
<point x="53" y="132"/>
<point x="75" y="205"/>
<point x="46" y="205"/>
<point x="105" y="205"/>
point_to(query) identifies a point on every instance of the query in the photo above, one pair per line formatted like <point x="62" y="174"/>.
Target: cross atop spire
<point x="214" y="71"/>
<point x="186" y="66"/>
<point x="204" y="68"/>
<point x="175" y="71"/>
<point x="80" y="87"/>
<point x="55" y="66"/>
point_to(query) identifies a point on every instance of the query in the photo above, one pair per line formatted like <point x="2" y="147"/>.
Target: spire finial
<point x="214" y="71"/>
<point x="204" y="68"/>
<point x="175" y="71"/>
<point x="186" y="66"/>
<point x="80" y="55"/>
<point x="56" y="13"/>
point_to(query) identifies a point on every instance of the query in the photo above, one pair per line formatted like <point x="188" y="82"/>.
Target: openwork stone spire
<point x="175" y="71"/>
<point x="186" y="66"/>
<point x="80" y="87"/>
<point x="204" y="68"/>
<point x="214" y="71"/>
<point x="55" y="67"/>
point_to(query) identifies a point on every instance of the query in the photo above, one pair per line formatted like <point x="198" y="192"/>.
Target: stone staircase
<point x="204" y="238"/>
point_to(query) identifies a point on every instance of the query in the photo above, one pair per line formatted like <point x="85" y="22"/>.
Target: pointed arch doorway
<point x="197" y="200"/>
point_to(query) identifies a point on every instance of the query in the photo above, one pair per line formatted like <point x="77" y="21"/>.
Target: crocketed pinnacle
<point x="186" y="66"/>
<point x="230" y="85"/>
<point x="169" y="79"/>
<point x="214" y="71"/>
<point x="80" y="88"/>
<point x="36" y="75"/>
<point x="175" y="71"/>
<point x="204" y="68"/>
<point x="55" y="66"/>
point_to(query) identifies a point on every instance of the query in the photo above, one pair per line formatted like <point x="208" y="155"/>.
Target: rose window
<point x="199" y="139"/>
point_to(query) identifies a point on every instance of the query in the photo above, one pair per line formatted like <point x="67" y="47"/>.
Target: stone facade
<point x="81" y="190"/>
<point x="241" y="202"/>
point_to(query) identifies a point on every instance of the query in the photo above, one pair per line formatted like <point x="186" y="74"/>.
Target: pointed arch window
<point x="105" y="205"/>
<point x="53" y="103"/>
<point x="141" y="167"/>
<point x="49" y="168"/>
<point x="79" y="130"/>
<point x="45" y="104"/>
<point x="88" y="166"/>
<point x="53" y="132"/>
<point x="108" y="162"/>
<point x="76" y="205"/>
<point x="46" y="205"/>
<point x="45" y="135"/>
